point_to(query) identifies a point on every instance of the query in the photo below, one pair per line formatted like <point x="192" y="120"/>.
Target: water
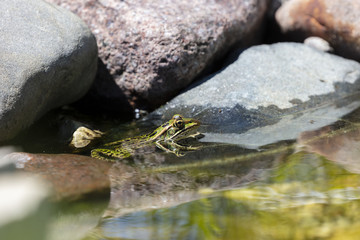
<point x="308" y="188"/>
<point x="304" y="197"/>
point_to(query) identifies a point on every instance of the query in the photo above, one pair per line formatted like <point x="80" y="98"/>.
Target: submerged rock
<point x="48" y="58"/>
<point x="153" y="49"/>
<point x="340" y="145"/>
<point x="270" y="93"/>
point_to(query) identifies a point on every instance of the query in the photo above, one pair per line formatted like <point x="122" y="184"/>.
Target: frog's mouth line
<point x="185" y="132"/>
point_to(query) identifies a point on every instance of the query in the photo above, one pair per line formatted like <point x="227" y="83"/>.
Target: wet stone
<point x="338" y="144"/>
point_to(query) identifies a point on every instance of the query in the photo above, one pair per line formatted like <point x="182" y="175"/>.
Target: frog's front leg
<point x="108" y="154"/>
<point x="181" y="147"/>
<point x="196" y="135"/>
<point x="166" y="149"/>
<point x="174" y="147"/>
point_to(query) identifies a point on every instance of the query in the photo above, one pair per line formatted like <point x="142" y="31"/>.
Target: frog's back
<point x="120" y="149"/>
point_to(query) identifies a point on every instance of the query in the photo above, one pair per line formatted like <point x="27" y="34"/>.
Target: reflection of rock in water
<point x="180" y="180"/>
<point x="71" y="176"/>
<point x="304" y="194"/>
<point x="341" y="145"/>
<point x="147" y="156"/>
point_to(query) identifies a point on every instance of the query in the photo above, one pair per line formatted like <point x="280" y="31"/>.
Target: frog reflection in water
<point x="165" y="137"/>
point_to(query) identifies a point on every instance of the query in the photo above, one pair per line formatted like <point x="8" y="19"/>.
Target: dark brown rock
<point x="71" y="175"/>
<point x="337" y="21"/>
<point x="153" y="49"/>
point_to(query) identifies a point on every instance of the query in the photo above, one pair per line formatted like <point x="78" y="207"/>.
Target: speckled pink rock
<point x="153" y="48"/>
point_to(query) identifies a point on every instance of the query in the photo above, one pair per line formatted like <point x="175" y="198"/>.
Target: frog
<point x="166" y="137"/>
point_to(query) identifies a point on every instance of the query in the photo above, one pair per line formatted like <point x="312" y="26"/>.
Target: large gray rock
<point x="48" y="58"/>
<point x="154" y="48"/>
<point x="271" y="93"/>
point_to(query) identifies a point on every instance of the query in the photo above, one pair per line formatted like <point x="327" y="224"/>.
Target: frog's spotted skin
<point x="164" y="137"/>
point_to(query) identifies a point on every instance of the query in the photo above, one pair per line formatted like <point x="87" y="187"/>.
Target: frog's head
<point x="176" y="128"/>
<point x="181" y="127"/>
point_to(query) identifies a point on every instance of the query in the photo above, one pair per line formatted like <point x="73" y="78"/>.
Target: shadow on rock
<point x="105" y="96"/>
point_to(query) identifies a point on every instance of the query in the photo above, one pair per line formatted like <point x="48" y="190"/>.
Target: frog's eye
<point x="179" y="124"/>
<point x="178" y="121"/>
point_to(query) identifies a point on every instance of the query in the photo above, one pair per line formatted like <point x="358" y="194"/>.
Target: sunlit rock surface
<point x="270" y="93"/>
<point x="318" y="43"/>
<point x="337" y="21"/>
<point x="48" y="59"/>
